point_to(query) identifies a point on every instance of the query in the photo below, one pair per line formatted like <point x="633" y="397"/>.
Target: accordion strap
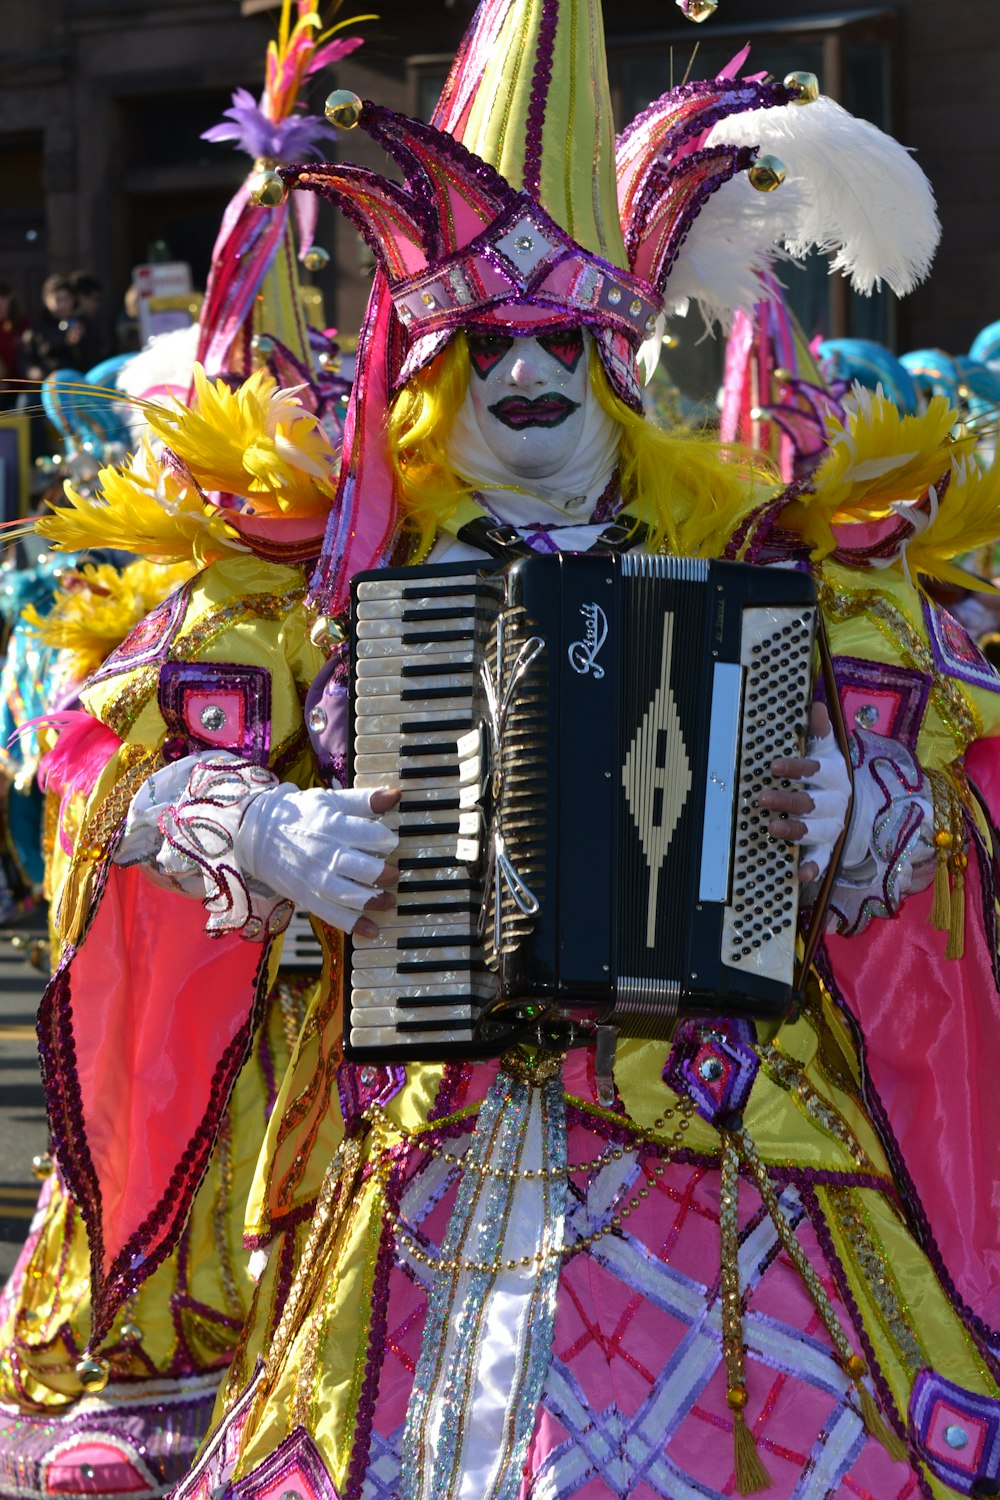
<point x="817" y="917"/>
<point x="505" y="543"/>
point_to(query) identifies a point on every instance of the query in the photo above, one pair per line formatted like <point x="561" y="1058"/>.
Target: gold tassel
<point x="877" y="1428"/>
<point x="941" y="905"/>
<point x="956" y="928"/>
<point x="751" y="1475"/>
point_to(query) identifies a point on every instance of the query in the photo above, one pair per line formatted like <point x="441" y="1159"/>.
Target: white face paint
<point x="529" y="397"/>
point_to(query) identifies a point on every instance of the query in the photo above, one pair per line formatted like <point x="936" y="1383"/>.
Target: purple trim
<point x="540" y="81"/>
<point x="910" y="687"/>
<point x="452" y="1090"/>
<point x="887" y="1405"/>
<point x="289" y="1220"/>
<point x="295" y="1467"/>
<point x="365" y="1419"/>
<point x="181" y="683"/>
<point x="932" y="1401"/>
<point x="955" y="652"/>
<point x="149" y="641"/>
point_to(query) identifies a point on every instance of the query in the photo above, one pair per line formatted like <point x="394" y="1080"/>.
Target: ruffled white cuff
<point x="181" y="828"/>
<point x="889" y="851"/>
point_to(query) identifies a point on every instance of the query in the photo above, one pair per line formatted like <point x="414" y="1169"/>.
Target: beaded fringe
<point x="751" y="1475"/>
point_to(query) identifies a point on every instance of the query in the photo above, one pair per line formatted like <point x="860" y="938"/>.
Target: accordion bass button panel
<point x="759" y="925"/>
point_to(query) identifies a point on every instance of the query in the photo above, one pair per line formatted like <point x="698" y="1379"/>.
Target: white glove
<point x="323" y="850"/>
<point x="830" y="790"/>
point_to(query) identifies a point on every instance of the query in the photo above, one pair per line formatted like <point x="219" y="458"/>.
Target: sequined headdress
<point x="518" y="209"/>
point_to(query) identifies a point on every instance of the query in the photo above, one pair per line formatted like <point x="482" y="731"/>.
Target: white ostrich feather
<point x="851" y="191"/>
<point x="858" y="194"/>
<point x="737" y="234"/>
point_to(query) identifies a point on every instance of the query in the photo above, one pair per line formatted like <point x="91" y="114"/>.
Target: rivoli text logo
<point x="583" y="653"/>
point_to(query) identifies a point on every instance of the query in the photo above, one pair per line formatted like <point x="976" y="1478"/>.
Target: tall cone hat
<point x="529" y="94"/>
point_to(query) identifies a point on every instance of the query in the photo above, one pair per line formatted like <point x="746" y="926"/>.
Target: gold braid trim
<point x="136" y="763"/>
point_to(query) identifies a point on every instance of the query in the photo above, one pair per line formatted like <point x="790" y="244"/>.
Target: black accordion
<point x="581" y="741"/>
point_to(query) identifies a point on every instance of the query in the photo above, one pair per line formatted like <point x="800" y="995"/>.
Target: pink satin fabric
<point x="155" y="1004"/>
<point x="930" y="1027"/>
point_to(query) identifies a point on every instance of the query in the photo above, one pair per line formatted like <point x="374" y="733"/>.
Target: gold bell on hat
<point x="93" y="1373"/>
<point x="700" y="10"/>
<point x="262" y="346"/>
<point x="806" y="86"/>
<point x="131" y="1332"/>
<point x="767" y="173"/>
<point x="41" y="1166"/>
<point x="316" y="258"/>
<point x="267" y="189"/>
<point x="343" y="109"/>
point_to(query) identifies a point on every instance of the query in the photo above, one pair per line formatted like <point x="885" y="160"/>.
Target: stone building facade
<point x="102" y="103"/>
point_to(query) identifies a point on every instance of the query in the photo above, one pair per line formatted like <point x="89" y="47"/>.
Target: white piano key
<point x="467" y="851"/>
<point x="392" y="588"/>
<point x="396" y="648"/>
<point x="391" y="666"/>
<point x="412" y="710"/>
<point x="374" y="718"/>
<point x="468" y="796"/>
<point x="390" y="1015"/>
<point x="387" y="1037"/>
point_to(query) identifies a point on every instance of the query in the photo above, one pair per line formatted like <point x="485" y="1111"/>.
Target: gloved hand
<point x="324" y="850"/>
<point x="820" y="810"/>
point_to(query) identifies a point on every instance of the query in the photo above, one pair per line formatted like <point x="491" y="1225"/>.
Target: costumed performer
<point x="745" y="1272"/>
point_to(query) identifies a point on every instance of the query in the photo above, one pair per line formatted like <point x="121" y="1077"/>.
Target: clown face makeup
<point x="529" y="398"/>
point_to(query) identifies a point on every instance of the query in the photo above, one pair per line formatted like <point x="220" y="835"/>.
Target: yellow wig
<point x="689" y="490"/>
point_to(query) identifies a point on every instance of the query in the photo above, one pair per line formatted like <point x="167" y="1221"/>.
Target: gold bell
<point x="262" y="346"/>
<point x="343" y="109"/>
<point x="806" y="86"/>
<point x="767" y="173"/>
<point x="41" y="1166"/>
<point x="93" y="1373"/>
<point x="316" y="258"/>
<point x="267" y="189"/>
<point x="782" y="376"/>
<point x="131" y="1332"/>
<point x="700" y="10"/>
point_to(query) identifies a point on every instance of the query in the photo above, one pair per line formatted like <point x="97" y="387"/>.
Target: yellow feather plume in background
<point x="142" y="508"/>
<point x="258" y="442"/>
<point x="98" y="605"/>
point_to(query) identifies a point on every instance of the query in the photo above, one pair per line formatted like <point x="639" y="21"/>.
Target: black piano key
<point x="427" y="695"/>
<point x="428" y="830"/>
<point x="428" y="862"/>
<point x="435" y="940"/>
<point x="436" y="666"/>
<point x="440" y="747"/>
<point x="427" y="637"/>
<point x="441" y="591"/>
<point x="422" y="773"/>
<point x="433" y="908"/>
<point x="411" y="804"/>
<point x="446" y="1025"/>
<point x="433" y="966"/>
<point x="436" y="726"/>
<point x="421" y="615"/>
<point x="424" y="1002"/>
<point x="417" y="887"/>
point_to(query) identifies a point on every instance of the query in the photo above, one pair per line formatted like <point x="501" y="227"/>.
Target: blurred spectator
<point x="13" y="327"/>
<point x="89" y="298"/>
<point x="57" y="341"/>
<point x="127" y="334"/>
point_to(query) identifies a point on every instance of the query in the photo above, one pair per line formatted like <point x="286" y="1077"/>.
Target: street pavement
<point x="22" y="1114"/>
